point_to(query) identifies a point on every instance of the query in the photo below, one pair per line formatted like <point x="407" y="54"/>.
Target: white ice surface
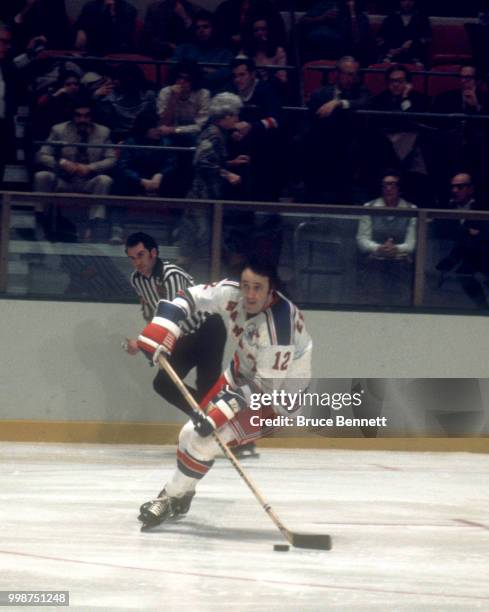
<point x="410" y="530"/>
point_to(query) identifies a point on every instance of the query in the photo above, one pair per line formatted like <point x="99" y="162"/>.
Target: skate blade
<point x="150" y="526"/>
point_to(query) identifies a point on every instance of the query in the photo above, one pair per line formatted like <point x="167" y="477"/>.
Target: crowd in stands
<point x="225" y="95"/>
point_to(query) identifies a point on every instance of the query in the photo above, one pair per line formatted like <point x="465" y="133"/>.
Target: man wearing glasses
<point x="457" y="143"/>
<point x="386" y="245"/>
<point x="470" y="252"/>
<point x="467" y="98"/>
<point x="78" y="169"/>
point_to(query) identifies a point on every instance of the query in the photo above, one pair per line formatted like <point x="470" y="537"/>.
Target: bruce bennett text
<point x="337" y="420"/>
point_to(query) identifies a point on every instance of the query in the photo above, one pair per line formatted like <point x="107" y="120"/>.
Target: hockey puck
<point x="281" y="547"/>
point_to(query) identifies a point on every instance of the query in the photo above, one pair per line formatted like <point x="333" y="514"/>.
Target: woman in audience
<point x="261" y="45"/>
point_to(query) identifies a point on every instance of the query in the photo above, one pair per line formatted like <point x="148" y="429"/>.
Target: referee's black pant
<point x="203" y="350"/>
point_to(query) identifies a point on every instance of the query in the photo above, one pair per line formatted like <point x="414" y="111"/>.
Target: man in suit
<point x="73" y="169"/>
<point x="336" y="136"/>
<point x="400" y="140"/>
<point x="467" y="98"/>
<point x="462" y="144"/>
<point x="469" y="253"/>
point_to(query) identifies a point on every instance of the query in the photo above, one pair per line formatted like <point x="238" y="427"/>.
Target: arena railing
<point x="10" y="200"/>
<point x="298" y="68"/>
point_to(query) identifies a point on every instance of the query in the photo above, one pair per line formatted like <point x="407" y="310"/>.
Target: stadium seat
<point x="450" y="43"/>
<point x="437" y="84"/>
<point x="314" y="79"/>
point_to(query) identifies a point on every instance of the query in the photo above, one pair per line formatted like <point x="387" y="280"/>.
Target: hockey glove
<point x="221" y="409"/>
<point x="204" y="427"/>
<point x="159" y="337"/>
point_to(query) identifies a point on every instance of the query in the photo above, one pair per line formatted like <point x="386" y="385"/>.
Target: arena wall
<point x="65" y="377"/>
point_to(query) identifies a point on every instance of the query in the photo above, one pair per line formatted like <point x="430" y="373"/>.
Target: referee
<point x="203" y="337"/>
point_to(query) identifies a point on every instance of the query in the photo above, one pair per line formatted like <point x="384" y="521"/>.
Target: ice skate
<point x="163" y="508"/>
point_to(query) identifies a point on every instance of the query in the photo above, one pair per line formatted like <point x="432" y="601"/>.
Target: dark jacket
<point x="163" y="28"/>
<point x="393" y="34"/>
<point x="413" y="103"/>
<point x="104" y="34"/>
<point x="262" y="105"/>
<point x="136" y="164"/>
<point x="358" y="97"/>
<point x="452" y="102"/>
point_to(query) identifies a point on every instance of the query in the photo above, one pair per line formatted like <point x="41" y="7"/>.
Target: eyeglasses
<point x="399" y="80"/>
<point x="79" y="114"/>
<point x="389" y="183"/>
<point x="461" y="185"/>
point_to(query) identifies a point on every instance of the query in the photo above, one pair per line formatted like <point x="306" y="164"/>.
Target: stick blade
<point x="311" y="540"/>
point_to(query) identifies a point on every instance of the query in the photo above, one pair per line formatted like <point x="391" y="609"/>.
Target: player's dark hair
<point x="148" y="241"/>
<point x="262" y="267"/>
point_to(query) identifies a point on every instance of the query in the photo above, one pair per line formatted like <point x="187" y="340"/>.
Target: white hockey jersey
<point x="271" y="346"/>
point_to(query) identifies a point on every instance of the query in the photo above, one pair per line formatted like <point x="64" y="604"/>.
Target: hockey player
<point x="272" y="346"/>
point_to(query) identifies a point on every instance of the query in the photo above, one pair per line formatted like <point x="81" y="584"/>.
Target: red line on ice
<point x="332" y="587"/>
<point x="472" y="524"/>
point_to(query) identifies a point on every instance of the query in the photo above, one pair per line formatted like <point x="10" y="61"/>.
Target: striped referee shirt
<point x="165" y="282"/>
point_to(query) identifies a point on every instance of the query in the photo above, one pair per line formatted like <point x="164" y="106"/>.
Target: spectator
<point x="332" y="28"/>
<point x="106" y="26"/>
<point x="335" y="143"/>
<point x="260" y="44"/>
<point x="205" y="48"/>
<point x="388" y="237"/>
<point x="73" y="169"/>
<point x="232" y="18"/>
<point x="183" y="107"/>
<point x="128" y="95"/>
<point x="464" y="144"/>
<point x="470" y="252"/>
<point x="387" y="244"/>
<point x="213" y="177"/>
<point x="56" y="106"/>
<point x="34" y="18"/>
<point x="404" y="35"/>
<point x="468" y="98"/>
<point x="320" y="32"/>
<point x="403" y="135"/>
<point x="140" y="171"/>
<point x="257" y="134"/>
<point x="167" y="24"/>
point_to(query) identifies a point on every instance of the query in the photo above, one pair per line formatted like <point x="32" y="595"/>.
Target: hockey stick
<point x="299" y="540"/>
